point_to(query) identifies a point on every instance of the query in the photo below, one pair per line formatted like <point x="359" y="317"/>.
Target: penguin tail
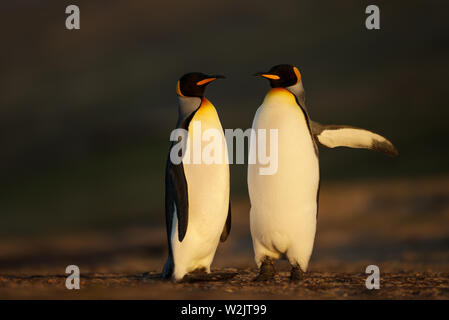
<point x="168" y="269"/>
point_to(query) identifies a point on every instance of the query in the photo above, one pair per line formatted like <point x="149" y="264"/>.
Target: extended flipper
<point x="227" y="226"/>
<point x="346" y="136"/>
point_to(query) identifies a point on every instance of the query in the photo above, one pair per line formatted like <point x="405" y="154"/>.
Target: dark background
<point x="85" y="115"/>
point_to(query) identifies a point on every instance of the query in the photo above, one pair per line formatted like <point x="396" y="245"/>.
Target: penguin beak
<point x="209" y="79"/>
<point x="267" y="75"/>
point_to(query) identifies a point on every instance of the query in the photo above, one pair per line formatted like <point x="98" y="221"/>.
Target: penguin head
<point x="193" y="84"/>
<point x="288" y="77"/>
<point x="282" y="76"/>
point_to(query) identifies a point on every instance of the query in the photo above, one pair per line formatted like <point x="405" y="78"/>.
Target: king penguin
<point x="284" y="205"/>
<point x="197" y="206"/>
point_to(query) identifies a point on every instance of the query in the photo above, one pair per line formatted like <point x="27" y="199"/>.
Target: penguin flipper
<point x="333" y="136"/>
<point x="227" y="226"/>
<point x="178" y="185"/>
<point x="180" y="197"/>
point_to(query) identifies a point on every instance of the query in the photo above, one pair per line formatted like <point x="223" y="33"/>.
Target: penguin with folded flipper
<point x="197" y="207"/>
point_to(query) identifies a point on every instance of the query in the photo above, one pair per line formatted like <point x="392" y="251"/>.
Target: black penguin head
<point x="282" y="76"/>
<point x="193" y="84"/>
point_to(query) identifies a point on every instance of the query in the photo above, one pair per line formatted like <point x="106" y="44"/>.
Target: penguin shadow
<point x="201" y="276"/>
<point x="195" y="276"/>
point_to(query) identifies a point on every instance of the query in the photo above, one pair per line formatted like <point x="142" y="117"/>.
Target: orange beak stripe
<point x="204" y="81"/>
<point x="270" y="76"/>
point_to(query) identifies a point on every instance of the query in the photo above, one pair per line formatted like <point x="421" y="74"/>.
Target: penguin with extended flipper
<point x="284" y="205"/>
<point x="197" y="207"/>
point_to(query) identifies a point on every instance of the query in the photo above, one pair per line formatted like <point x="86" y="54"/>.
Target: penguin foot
<point x="296" y="274"/>
<point x="266" y="271"/>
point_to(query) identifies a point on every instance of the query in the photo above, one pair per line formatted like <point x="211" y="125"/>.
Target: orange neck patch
<point x="298" y="74"/>
<point x="281" y="94"/>
<point x="178" y="90"/>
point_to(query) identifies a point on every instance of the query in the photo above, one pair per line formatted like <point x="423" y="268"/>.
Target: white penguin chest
<point x="207" y="172"/>
<point x="286" y="199"/>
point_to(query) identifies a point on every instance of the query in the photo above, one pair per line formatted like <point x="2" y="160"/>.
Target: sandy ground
<point x="402" y="226"/>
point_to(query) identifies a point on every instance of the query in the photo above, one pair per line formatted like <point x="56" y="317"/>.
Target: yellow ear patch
<point x="178" y="90"/>
<point x="204" y="81"/>
<point x="298" y="74"/>
<point x="270" y="76"/>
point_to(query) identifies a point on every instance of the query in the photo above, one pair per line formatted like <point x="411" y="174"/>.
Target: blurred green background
<point x="85" y="115"/>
